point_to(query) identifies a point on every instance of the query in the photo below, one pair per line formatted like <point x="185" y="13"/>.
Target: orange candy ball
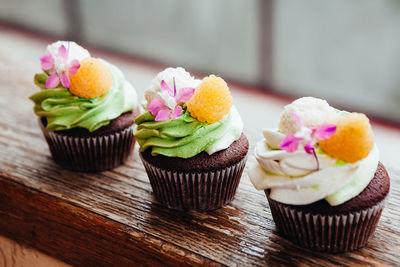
<point x="93" y="79"/>
<point x="211" y="101"/>
<point x="353" y="139"/>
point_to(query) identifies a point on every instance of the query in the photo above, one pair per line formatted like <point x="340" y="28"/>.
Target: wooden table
<point x="113" y="218"/>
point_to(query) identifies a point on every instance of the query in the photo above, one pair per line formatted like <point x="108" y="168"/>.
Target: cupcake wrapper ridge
<point x="90" y="154"/>
<point x="207" y="190"/>
<point x="326" y="233"/>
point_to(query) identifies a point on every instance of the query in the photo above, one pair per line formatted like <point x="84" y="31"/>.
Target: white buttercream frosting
<point x="75" y="51"/>
<point x="294" y="179"/>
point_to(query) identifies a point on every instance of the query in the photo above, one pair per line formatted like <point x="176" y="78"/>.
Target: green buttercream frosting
<point x="185" y="137"/>
<point x="64" y="110"/>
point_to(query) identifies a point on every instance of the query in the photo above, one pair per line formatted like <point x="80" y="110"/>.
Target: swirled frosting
<point x="185" y="137"/>
<point x="65" y="111"/>
<point x="293" y="178"/>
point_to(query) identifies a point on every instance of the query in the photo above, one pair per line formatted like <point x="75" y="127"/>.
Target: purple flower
<point x="58" y="69"/>
<point x="308" y="137"/>
<point x="167" y="106"/>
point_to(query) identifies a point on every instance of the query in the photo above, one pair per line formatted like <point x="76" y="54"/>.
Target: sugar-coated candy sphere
<point x="211" y="100"/>
<point x="93" y="79"/>
<point x="353" y="139"/>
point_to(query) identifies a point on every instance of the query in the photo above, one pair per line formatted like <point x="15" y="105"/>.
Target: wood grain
<point x="113" y="218"/>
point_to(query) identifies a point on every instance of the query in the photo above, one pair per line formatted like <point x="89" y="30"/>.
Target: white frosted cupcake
<point x="322" y="176"/>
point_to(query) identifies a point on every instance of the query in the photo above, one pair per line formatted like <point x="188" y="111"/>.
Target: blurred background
<point x="344" y="51"/>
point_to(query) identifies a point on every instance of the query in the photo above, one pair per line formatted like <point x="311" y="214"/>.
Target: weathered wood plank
<point x="113" y="218"/>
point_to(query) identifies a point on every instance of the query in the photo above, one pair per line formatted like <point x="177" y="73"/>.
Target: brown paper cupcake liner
<point x="208" y="190"/>
<point x="327" y="233"/>
<point x="90" y="154"/>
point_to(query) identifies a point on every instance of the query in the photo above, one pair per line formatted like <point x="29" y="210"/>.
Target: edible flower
<point x="168" y="104"/>
<point x="307" y="137"/>
<point x="58" y="69"/>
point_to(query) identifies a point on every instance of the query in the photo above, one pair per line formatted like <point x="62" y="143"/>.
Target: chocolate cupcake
<point x="191" y="141"/>
<point x="85" y="109"/>
<point x="322" y="177"/>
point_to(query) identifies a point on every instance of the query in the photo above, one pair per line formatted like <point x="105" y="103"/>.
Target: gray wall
<point x="207" y="36"/>
<point x="346" y="51"/>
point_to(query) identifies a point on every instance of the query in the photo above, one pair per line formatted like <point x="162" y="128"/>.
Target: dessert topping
<point x="59" y="67"/>
<point x="93" y="79"/>
<point x="353" y="139"/>
<point x="211" y="101"/>
<point x="313" y="112"/>
<point x="307" y="137"/>
<point x="168" y="104"/>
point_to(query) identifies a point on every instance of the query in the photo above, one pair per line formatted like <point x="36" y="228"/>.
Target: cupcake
<point x="191" y="141"/>
<point x="85" y="109"/>
<point x="322" y="177"/>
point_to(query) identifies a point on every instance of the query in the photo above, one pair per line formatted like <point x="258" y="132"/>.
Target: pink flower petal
<point x="47" y="62"/>
<point x="174" y="87"/>
<point x="297" y="119"/>
<point x="325" y="131"/>
<point x="73" y="67"/>
<point x="52" y="81"/>
<point x="64" y="79"/>
<point x="290" y="143"/>
<point x="62" y="52"/>
<point x="184" y="95"/>
<point x="309" y="147"/>
<point x="177" y="112"/>
<point x="163" y="115"/>
<point x="165" y="87"/>
<point x="156" y="105"/>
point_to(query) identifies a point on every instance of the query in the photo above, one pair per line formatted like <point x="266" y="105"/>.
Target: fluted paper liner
<point x="327" y="233"/>
<point x="90" y="154"/>
<point x="186" y="190"/>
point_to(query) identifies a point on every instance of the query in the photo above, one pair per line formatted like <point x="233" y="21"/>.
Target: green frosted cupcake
<point x="85" y="109"/>
<point x="191" y="141"/>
